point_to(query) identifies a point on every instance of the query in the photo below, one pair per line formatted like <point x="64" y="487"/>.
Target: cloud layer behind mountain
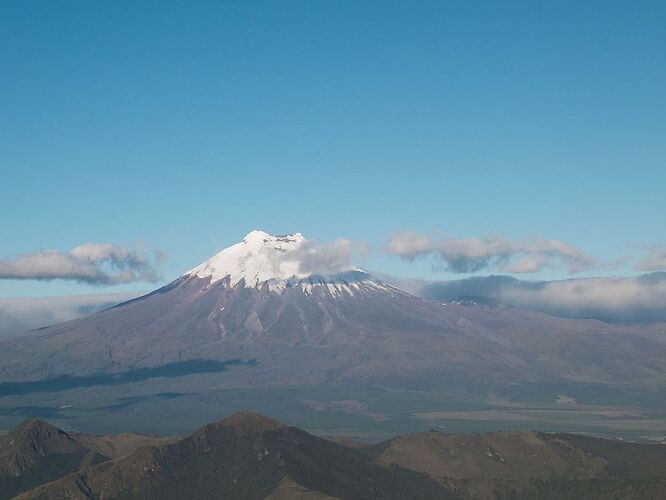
<point x="632" y="299"/>
<point x="20" y="314"/>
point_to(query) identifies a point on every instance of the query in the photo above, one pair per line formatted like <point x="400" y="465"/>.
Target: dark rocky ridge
<point x="245" y="456"/>
<point x="36" y="452"/>
<point x="250" y="456"/>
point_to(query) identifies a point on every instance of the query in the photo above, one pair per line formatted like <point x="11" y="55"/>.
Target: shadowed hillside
<point x="532" y="465"/>
<point x="36" y="452"/>
<point x="245" y="456"/>
<point x="249" y="456"/>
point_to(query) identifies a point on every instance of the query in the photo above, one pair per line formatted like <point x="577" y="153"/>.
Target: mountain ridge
<point x="249" y="455"/>
<point x="36" y="452"/>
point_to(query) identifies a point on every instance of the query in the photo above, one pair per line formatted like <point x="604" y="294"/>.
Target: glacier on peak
<point x="286" y="260"/>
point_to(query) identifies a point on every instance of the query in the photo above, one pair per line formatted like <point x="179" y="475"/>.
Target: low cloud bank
<point x="493" y="253"/>
<point x="18" y="315"/>
<point x="92" y="263"/>
<point x="618" y="300"/>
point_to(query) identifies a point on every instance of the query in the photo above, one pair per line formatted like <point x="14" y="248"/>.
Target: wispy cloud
<point x="654" y="261"/>
<point x="94" y="263"/>
<point x="493" y="253"/>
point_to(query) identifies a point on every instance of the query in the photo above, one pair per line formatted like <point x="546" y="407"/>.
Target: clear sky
<point x="181" y="126"/>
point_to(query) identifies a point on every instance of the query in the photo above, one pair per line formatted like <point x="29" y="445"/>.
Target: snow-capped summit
<point x="258" y="258"/>
<point x="277" y="260"/>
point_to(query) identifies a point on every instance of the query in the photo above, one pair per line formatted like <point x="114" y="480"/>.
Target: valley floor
<point x="177" y="405"/>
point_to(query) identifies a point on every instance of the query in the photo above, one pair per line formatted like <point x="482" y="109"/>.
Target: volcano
<point x="263" y="312"/>
<point x="250" y="302"/>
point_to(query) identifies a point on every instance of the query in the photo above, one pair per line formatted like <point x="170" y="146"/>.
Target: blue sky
<point x="181" y="127"/>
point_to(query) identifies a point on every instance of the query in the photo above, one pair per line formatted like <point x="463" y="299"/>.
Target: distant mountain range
<point x="253" y="312"/>
<point x="250" y="456"/>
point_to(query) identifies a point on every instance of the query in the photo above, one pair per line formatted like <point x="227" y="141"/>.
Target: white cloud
<point x="474" y="254"/>
<point x="326" y="258"/>
<point x="95" y="263"/>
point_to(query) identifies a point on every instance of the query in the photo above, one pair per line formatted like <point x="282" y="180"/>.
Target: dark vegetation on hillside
<point x="249" y="456"/>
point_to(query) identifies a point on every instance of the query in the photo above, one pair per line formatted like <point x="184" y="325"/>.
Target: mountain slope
<point x="535" y="465"/>
<point x="261" y="313"/>
<point x="36" y="452"/>
<point x="251" y="456"/>
<point x="244" y="456"/>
